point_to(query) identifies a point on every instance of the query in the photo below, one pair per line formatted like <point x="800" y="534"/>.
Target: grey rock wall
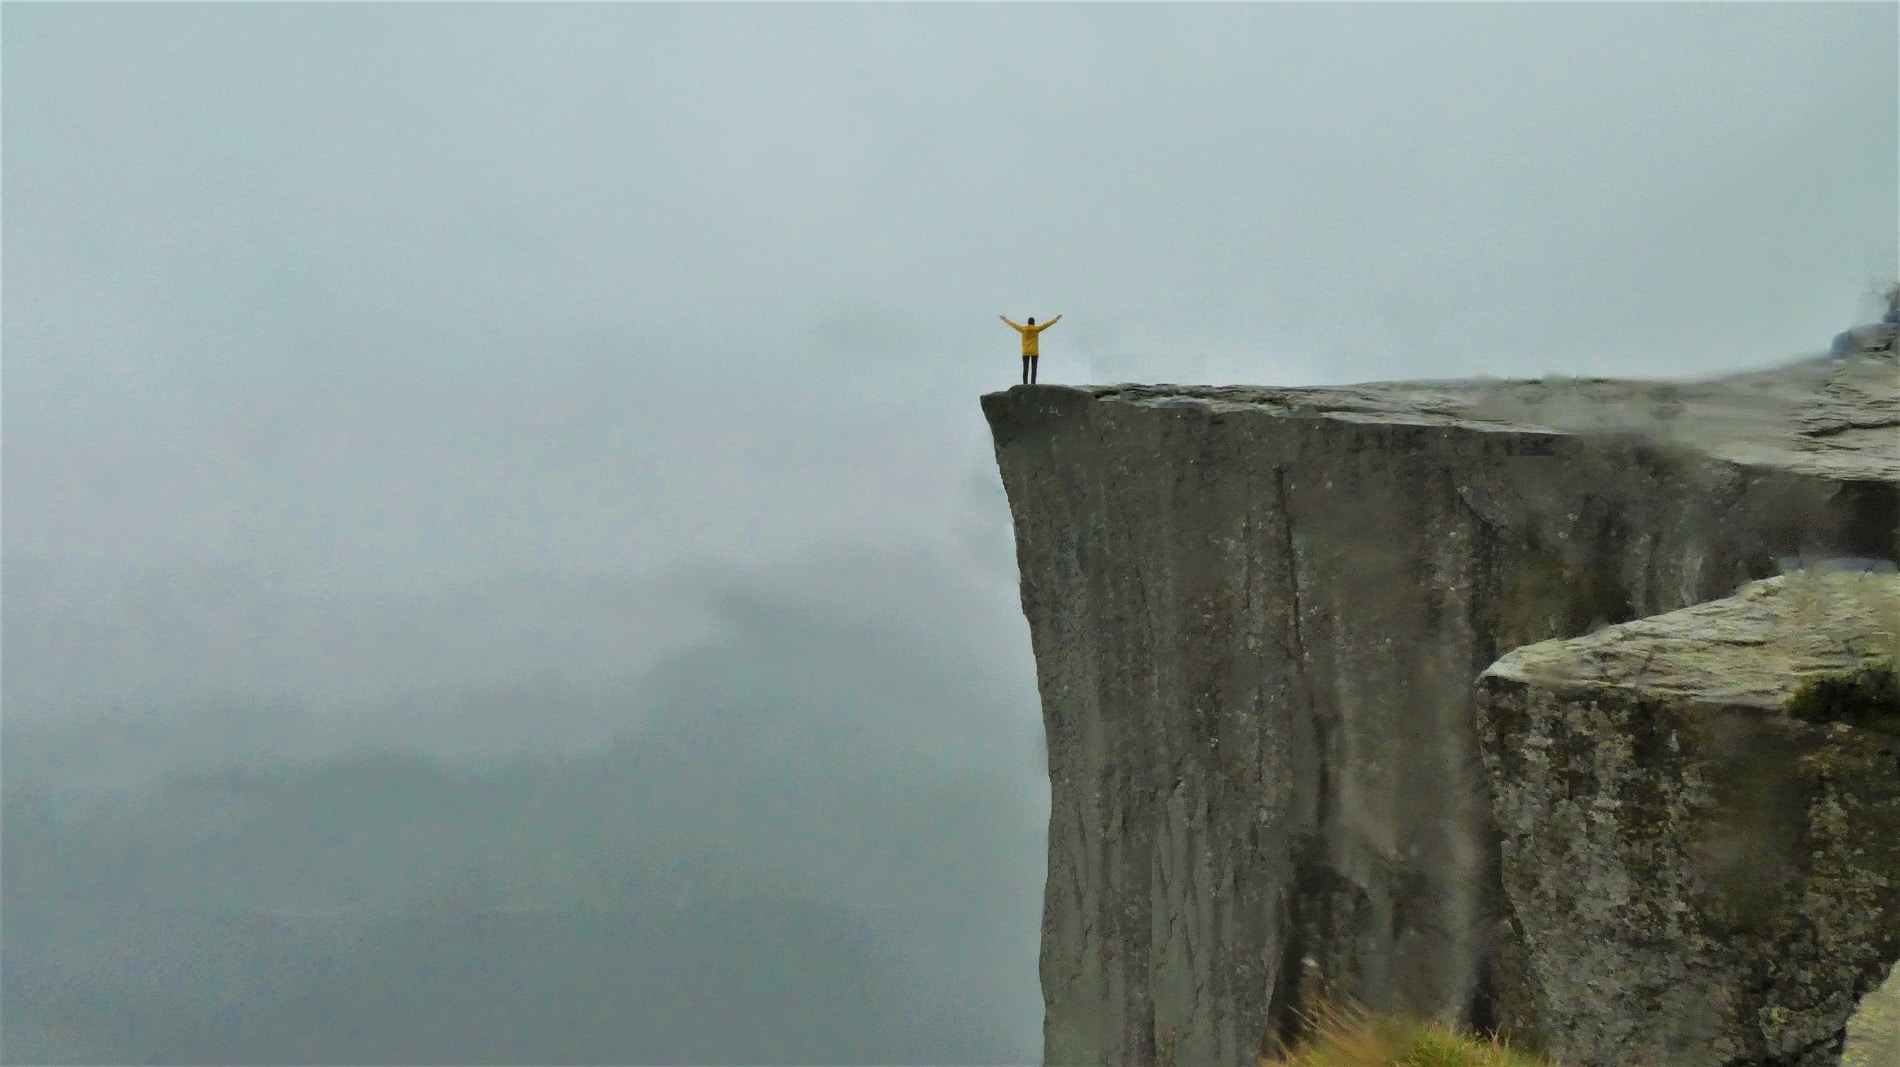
<point x="1257" y="617"/>
<point x="1703" y="859"/>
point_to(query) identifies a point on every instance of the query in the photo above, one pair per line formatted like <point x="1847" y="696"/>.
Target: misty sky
<point x="495" y="379"/>
<point x="410" y="293"/>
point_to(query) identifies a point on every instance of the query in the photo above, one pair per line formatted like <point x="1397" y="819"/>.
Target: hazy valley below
<point x="815" y="824"/>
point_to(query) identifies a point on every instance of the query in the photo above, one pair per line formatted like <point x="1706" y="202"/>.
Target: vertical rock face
<point x="1700" y="819"/>
<point x="1257" y="617"/>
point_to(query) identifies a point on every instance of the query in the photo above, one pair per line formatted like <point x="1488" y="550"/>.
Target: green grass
<point x="1352" y="1037"/>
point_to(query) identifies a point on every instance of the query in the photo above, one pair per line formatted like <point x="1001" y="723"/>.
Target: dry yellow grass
<point x="1351" y="1037"/>
<point x="1873" y="1035"/>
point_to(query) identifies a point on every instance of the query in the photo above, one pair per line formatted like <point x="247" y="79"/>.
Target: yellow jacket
<point x="1029" y="332"/>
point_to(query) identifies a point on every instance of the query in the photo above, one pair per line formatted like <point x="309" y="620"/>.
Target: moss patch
<point x="1868" y="698"/>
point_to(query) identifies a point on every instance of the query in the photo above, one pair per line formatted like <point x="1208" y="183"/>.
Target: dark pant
<point x="1029" y="370"/>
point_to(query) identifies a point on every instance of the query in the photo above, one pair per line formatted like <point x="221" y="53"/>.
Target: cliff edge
<point x="1258" y="615"/>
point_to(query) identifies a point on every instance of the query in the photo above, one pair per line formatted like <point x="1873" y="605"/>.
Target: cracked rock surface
<point x="1258" y="614"/>
<point x="1704" y="868"/>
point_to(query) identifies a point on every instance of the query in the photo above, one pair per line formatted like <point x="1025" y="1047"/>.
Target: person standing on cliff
<point x="1030" y="352"/>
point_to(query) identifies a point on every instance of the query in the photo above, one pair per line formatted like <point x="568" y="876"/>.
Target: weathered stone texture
<point x="1257" y="615"/>
<point x="1700" y="878"/>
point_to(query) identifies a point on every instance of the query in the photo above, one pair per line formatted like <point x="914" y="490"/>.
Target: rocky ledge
<point x="1699" y="817"/>
<point x="1258" y="615"/>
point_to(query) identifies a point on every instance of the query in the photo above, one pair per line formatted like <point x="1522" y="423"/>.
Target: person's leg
<point x="1025" y="370"/>
<point x="1033" y="360"/>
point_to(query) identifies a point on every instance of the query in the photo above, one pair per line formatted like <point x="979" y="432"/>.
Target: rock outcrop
<point x="1258" y="615"/>
<point x="1875" y="341"/>
<point x="1700" y="824"/>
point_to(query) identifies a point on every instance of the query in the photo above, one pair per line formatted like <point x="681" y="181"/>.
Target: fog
<point x="502" y="557"/>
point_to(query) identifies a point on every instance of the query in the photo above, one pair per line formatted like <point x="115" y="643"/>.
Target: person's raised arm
<point x="1013" y="326"/>
<point x="1052" y="322"/>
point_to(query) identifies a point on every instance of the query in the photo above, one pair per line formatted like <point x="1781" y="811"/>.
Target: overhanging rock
<point x="1257" y="616"/>
<point x="1700" y="820"/>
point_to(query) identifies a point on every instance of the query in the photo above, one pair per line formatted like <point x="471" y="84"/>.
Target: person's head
<point x="1032" y="320"/>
